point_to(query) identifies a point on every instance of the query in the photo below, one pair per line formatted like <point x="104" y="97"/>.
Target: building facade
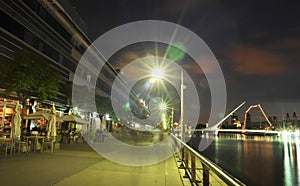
<point x="45" y="28"/>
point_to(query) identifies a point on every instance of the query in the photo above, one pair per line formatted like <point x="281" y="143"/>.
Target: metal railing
<point x="200" y="170"/>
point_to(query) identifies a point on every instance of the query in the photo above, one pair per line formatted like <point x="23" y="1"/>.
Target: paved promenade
<point x="78" y="164"/>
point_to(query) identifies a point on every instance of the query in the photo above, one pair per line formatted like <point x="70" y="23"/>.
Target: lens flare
<point x="176" y="52"/>
<point x="126" y="106"/>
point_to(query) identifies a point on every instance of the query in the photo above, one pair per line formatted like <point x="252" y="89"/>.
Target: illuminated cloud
<point x="288" y="43"/>
<point x="194" y="68"/>
<point x="253" y="60"/>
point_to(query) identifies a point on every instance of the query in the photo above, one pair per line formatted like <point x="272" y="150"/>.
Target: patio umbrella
<point x="75" y="119"/>
<point x="38" y="115"/>
<point x="52" y="123"/>
<point x="17" y="121"/>
<point x="96" y="124"/>
<point x="41" y="115"/>
<point x="59" y="120"/>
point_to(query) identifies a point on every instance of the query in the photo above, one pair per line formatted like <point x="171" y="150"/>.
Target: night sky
<point x="257" y="43"/>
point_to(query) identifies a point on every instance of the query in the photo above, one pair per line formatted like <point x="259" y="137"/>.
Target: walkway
<point x="77" y="164"/>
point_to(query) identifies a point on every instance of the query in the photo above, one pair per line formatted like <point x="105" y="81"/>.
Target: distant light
<point x="162" y="106"/>
<point x="126" y="107"/>
<point x="152" y="80"/>
<point x="158" y="73"/>
<point x="147" y="85"/>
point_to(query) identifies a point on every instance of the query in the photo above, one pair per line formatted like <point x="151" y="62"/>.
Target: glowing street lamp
<point x="181" y="107"/>
<point x="158" y="73"/>
<point x="163" y="108"/>
<point x="176" y="52"/>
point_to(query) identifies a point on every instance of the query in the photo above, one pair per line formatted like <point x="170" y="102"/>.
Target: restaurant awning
<point x="41" y="115"/>
<point x="37" y="115"/>
<point x="75" y="119"/>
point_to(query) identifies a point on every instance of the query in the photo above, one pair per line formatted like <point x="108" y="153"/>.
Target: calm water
<point x="258" y="160"/>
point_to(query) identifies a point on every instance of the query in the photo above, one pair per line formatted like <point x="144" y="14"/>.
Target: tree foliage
<point x="104" y="105"/>
<point x="28" y="76"/>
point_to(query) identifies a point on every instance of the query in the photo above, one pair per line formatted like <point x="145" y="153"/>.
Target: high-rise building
<point x="54" y="32"/>
<point x="49" y="29"/>
<point x="295" y="120"/>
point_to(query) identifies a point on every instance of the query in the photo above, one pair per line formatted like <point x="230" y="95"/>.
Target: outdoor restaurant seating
<point x="22" y="145"/>
<point x="4" y="145"/>
<point x="35" y="142"/>
<point x="48" y="144"/>
<point x="25" y="144"/>
<point x="10" y="146"/>
<point x="39" y="133"/>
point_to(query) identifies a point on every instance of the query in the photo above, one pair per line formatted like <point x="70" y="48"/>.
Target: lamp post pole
<point x="182" y="108"/>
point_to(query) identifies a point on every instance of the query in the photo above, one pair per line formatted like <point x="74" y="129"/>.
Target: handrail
<point x="226" y="177"/>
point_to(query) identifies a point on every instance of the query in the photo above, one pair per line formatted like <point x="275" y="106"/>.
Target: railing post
<point x="182" y="159"/>
<point x="205" y="175"/>
<point x="207" y="166"/>
<point x="186" y="162"/>
<point x="193" y="167"/>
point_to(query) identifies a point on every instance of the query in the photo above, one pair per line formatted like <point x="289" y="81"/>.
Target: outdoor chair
<point x="23" y="145"/>
<point x="2" y="147"/>
<point x="10" y="146"/>
<point x="48" y="143"/>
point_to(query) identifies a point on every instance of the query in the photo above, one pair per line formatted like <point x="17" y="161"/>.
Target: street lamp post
<point x="158" y="73"/>
<point x="182" y="108"/>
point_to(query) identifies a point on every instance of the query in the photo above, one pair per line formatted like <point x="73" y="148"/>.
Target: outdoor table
<point x="5" y="139"/>
<point x="4" y="142"/>
<point x="34" y="140"/>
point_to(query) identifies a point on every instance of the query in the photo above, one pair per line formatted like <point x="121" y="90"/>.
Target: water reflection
<point x="258" y="160"/>
<point x="297" y="145"/>
<point x="291" y="160"/>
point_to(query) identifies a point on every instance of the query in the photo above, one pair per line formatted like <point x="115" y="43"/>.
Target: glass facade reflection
<point x="45" y="28"/>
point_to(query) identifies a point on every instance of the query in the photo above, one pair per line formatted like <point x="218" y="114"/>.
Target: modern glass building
<point x="52" y="30"/>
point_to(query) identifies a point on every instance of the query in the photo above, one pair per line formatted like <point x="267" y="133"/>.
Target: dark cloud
<point x="256" y="42"/>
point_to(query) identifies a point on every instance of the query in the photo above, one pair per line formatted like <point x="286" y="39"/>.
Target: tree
<point x="104" y="105"/>
<point x="28" y="75"/>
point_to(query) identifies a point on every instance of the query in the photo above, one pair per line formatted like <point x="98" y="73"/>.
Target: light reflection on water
<point x="291" y="160"/>
<point x="297" y="145"/>
<point x="258" y="160"/>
